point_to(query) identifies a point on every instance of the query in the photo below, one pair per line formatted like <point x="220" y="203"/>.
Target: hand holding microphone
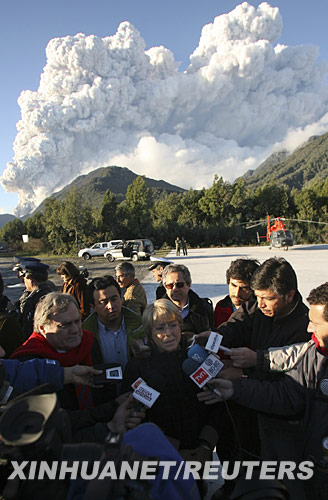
<point x="202" y="366"/>
<point x="190" y="366"/>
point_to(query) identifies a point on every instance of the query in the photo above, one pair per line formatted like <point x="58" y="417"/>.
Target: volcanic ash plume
<point x="105" y="101"/>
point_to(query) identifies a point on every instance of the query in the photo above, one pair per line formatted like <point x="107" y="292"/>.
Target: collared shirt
<point x="114" y="344"/>
<point x="185" y="310"/>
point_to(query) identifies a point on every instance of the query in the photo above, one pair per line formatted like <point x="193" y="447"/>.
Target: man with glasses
<point x="58" y="335"/>
<point x="196" y="312"/>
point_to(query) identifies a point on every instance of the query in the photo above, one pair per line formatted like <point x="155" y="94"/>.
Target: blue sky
<point x="27" y="27"/>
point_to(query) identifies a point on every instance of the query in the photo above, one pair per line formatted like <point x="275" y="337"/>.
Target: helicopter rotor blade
<point x="257" y="222"/>
<point x="306" y="220"/>
<point x="254" y="225"/>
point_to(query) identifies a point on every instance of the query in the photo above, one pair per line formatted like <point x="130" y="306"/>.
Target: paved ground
<point x="208" y="267"/>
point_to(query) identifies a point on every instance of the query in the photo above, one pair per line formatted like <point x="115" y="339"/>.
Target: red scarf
<point x="37" y="345"/>
<point x="323" y="350"/>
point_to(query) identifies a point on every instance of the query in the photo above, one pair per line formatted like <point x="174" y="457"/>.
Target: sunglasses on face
<point x="178" y="284"/>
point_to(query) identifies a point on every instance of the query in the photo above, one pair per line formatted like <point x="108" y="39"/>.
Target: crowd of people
<point x="270" y="401"/>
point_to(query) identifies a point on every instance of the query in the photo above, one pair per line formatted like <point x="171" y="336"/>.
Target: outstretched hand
<point x="225" y="388"/>
<point x="80" y="374"/>
<point x="243" y="357"/>
<point x="127" y="416"/>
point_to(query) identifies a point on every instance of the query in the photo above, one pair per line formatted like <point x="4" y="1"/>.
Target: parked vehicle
<point x="98" y="249"/>
<point x="139" y="249"/>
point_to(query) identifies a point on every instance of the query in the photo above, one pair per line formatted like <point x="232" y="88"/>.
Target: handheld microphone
<point x="197" y="375"/>
<point x="197" y="353"/>
<point x="145" y="392"/>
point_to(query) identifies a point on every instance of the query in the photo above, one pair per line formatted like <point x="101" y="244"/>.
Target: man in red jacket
<point x="238" y="276"/>
<point x="58" y="335"/>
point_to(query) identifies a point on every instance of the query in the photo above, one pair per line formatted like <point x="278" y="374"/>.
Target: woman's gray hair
<point x="177" y="268"/>
<point x="160" y="308"/>
<point x="52" y="303"/>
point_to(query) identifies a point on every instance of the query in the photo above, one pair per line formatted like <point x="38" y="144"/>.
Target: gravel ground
<point x="96" y="267"/>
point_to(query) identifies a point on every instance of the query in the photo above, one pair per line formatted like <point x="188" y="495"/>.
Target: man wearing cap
<point x="157" y="267"/>
<point x="35" y="275"/>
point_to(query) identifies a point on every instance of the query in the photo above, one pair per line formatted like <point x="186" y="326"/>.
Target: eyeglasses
<point x="178" y="284"/>
<point x="160" y="331"/>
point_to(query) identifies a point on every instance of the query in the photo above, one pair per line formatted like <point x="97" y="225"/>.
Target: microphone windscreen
<point x="189" y="366"/>
<point x="197" y="353"/>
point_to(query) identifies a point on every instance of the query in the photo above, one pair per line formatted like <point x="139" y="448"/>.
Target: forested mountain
<point x="94" y="185"/>
<point x="307" y="164"/>
<point x="4" y="218"/>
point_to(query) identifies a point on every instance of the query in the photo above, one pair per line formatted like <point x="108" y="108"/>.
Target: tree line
<point x="213" y="216"/>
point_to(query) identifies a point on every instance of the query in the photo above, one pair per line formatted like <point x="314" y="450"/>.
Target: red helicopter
<point x="277" y="235"/>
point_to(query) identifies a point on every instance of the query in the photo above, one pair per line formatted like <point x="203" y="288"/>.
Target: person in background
<point x="184" y="246"/>
<point x="11" y="335"/>
<point x="5" y="304"/>
<point x="157" y="267"/>
<point x="76" y="285"/>
<point x="134" y="296"/>
<point x="238" y="276"/>
<point x="35" y="276"/>
<point x="177" y="246"/>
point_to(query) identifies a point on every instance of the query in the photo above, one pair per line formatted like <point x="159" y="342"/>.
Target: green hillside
<point x="308" y="163"/>
<point x="4" y="218"/>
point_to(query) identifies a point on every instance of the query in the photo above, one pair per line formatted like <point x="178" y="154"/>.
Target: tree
<point x="76" y="216"/>
<point x="108" y="214"/>
<point x="52" y="222"/>
<point x="165" y="213"/>
<point x="34" y="226"/>
<point x="138" y="204"/>
<point x="191" y="215"/>
<point x="215" y="203"/>
<point x="12" y="231"/>
<point x="271" y="199"/>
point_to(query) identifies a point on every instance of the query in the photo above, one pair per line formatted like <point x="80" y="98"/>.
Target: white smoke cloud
<point x="105" y="101"/>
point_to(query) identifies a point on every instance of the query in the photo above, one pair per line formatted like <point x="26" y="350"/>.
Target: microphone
<point x="197" y="353"/>
<point x="189" y="366"/>
<point x="198" y="375"/>
<point x="148" y="392"/>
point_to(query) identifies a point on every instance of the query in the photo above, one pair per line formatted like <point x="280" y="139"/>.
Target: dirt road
<point x="96" y="267"/>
